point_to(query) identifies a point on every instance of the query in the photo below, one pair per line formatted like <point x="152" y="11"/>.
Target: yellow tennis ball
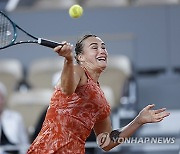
<point x="75" y="11"/>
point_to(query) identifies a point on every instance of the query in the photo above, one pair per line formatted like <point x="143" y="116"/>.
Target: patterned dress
<point x="70" y="119"/>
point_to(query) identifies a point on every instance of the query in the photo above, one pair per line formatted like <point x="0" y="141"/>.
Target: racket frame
<point x="40" y="41"/>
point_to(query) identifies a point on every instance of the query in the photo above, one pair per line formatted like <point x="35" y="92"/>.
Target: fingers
<point x="64" y="50"/>
<point x="162" y="114"/>
<point x="59" y="47"/>
<point x="159" y="120"/>
<point x="159" y="110"/>
<point x="147" y="115"/>
<point x="150" y="106"/>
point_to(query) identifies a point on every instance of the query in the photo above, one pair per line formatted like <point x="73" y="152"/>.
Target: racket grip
<point x="48" y="43"/>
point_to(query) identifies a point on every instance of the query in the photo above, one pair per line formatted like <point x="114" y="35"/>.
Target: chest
<point x="91" y="93"/>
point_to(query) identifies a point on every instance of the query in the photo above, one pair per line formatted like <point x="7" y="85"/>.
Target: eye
<point x="94" y="47"/>
<point x="103" y="47"/>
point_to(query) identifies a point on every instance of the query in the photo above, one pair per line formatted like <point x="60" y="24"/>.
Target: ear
<point x="81" y="58"/>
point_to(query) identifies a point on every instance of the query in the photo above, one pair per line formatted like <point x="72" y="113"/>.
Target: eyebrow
<point x="96" y="43"/>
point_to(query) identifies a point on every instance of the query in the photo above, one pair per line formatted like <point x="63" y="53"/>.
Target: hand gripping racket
<point x="9" y="34"/>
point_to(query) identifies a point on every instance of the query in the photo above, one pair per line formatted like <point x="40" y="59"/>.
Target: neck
<point x="94" y="73"/>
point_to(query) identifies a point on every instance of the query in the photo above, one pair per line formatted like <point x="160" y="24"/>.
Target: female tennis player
<point x="78" y="104"/>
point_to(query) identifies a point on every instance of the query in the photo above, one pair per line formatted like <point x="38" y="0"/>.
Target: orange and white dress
<point x="70" y="119"/>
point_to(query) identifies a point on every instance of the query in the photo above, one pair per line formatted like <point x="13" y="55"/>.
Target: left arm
<point x="147" y="115"/>
<point x="103" y="129"/>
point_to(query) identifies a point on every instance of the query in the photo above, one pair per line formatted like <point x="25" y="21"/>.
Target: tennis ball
<point x="75" y="11"/>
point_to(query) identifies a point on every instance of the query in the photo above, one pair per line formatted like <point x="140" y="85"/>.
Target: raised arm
<point x="70" y="76"/>
<point x="103" y="130"/>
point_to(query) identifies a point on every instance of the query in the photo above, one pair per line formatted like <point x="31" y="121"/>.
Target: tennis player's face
<point x="95" y="53"/>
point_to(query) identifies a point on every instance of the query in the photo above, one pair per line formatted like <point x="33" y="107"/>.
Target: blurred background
<point x="142" y="38"/>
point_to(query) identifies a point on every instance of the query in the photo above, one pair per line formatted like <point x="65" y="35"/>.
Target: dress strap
<point x="87" y="73"/>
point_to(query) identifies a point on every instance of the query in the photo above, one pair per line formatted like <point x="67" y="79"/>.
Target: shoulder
<point x="81" y="74"/>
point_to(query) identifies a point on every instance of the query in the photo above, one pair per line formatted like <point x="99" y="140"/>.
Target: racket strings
<point x="6" y="31"/>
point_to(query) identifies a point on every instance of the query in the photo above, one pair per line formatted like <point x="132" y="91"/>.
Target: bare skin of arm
<point x="72" y="75"/>
<point x="147" y="115"/>
<point x="69" y="76"/>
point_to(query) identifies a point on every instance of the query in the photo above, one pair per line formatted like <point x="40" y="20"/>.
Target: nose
<point x="103" y="51"/>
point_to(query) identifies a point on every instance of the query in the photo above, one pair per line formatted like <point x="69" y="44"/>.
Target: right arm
<point x="70" y="76"/>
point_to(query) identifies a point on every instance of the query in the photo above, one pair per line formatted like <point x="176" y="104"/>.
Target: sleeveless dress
<point x="70" y="119"/>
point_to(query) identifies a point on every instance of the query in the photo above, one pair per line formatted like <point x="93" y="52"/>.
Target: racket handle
<point x="48" y="43"/>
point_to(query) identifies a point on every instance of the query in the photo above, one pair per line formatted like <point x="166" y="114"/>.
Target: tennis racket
<point x="10" y="35"/>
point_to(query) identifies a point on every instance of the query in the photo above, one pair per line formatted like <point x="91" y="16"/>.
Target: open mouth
<point x="101" y="58"/>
